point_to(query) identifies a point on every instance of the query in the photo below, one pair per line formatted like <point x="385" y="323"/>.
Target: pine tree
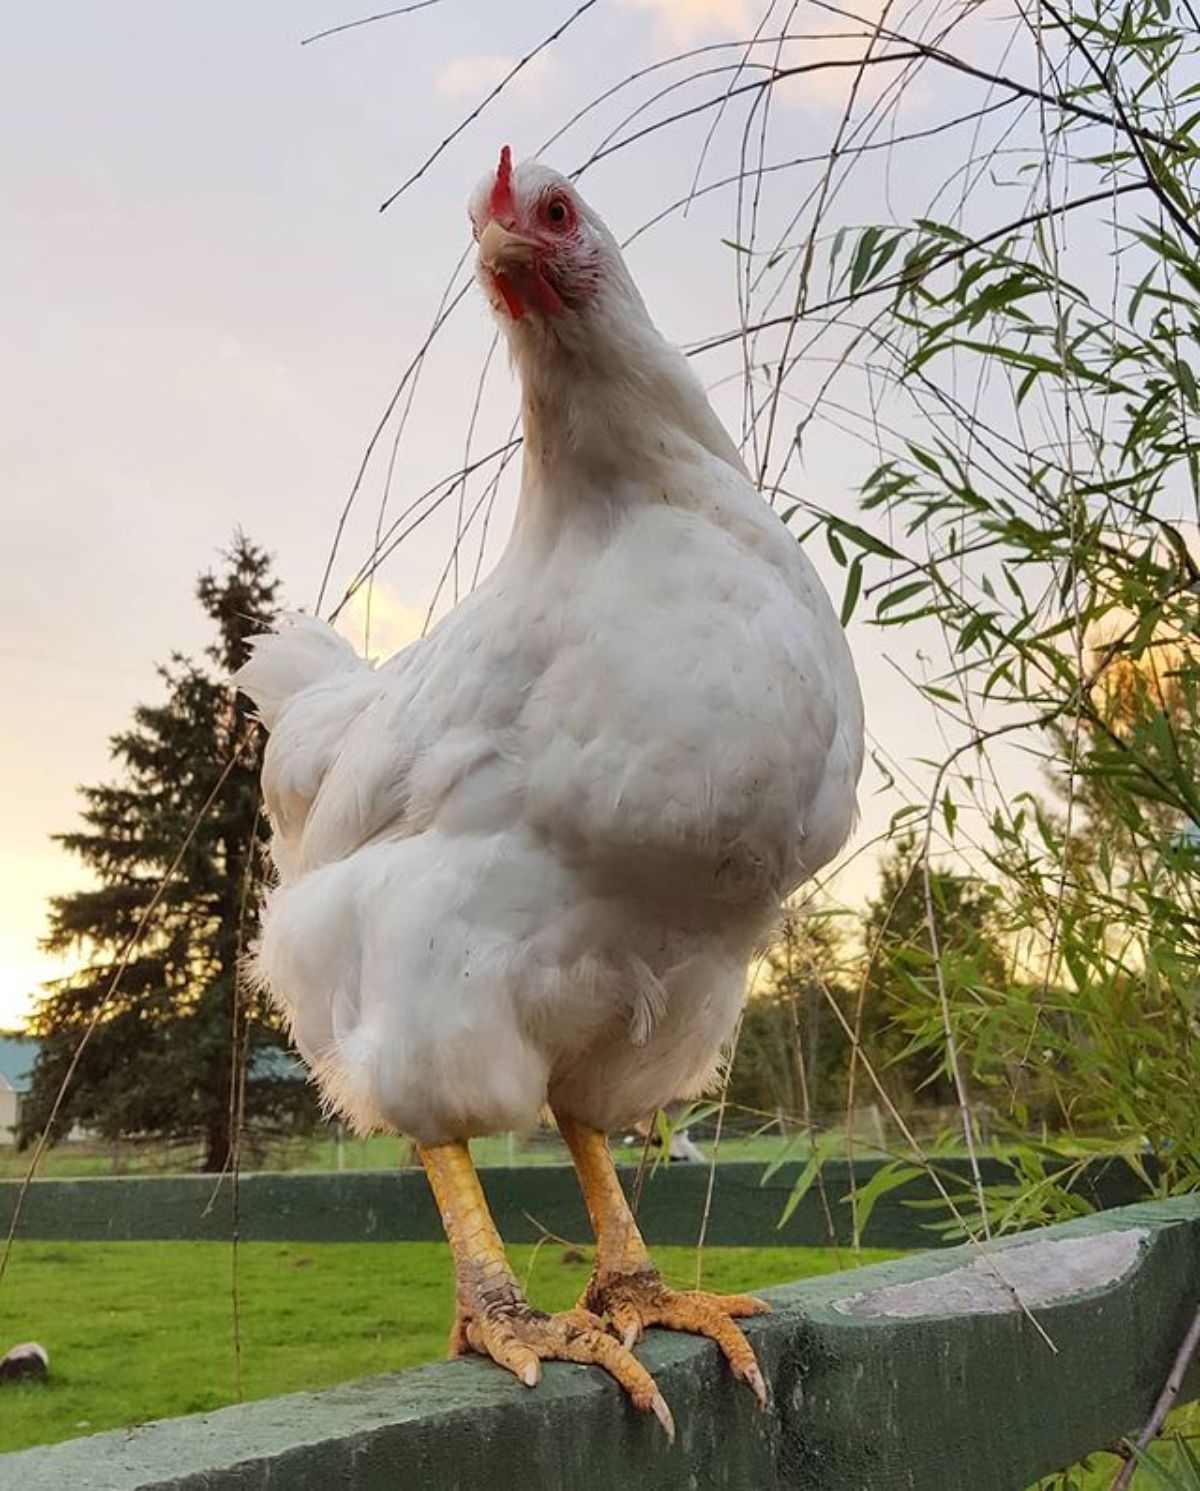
<point x="180" y="1046"/>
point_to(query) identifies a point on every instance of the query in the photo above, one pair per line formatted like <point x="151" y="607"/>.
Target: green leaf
<point x="800" y="1188"/>
<point x="861" y="262"/>
<point x="852" y="591"/>
<point x="888" y="1178"/>
<point x="901" y="594"/>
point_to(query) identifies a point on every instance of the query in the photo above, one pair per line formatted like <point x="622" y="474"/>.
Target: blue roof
<point x="272" y="1062"/>
<point x="17" y="1053"/>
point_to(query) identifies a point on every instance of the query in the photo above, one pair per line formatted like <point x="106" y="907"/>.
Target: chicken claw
<point x="520" y="1338"/>
<point x="633" y="1301"/>
<point x="494" y="1318"/>
<point x="625" y="1286"/>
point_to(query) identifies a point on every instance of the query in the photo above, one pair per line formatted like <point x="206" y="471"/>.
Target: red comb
<point x="501" y="202"/>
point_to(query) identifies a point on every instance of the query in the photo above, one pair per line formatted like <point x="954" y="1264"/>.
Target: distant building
<point x="17" y="1053"/>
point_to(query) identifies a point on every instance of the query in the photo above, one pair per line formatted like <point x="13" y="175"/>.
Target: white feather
<point x="302" y="653"/>
<point x="529" y="858"/>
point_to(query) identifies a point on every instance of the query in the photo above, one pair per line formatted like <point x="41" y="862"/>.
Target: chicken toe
<point x="625" y="1286"/>
<point x="633" y="1301"/>
<point x="518" y="1337"/>
<point x="493" y="1316"/>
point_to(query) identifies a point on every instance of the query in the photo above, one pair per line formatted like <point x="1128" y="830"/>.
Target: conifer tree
<point x="179" y="1046"/>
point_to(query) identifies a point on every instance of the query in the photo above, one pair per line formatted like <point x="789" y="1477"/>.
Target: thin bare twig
<point x="1166" y="1401"/>
<point x="1132" y="132"/>
<point x="493" y="94"/>
<point x="376" y="435"/>
<point x="382" y="15"/>
<point x="716" y="1151"/>
<point x="926" y="266"/>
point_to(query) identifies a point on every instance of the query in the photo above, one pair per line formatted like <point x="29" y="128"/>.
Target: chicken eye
<point x="556" y="211"/>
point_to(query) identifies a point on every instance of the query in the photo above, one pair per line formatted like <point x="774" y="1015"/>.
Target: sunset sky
<point x="205" y="313"/>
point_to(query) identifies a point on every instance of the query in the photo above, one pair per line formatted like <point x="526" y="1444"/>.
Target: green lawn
<point x="322" y="1151"/>
<point x="377" y="1152"/>
<point x="143" y="1330"/>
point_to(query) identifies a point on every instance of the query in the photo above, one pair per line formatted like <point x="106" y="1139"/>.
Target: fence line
<point x="395" y="1206"/>
<point x="916" y="1373"/>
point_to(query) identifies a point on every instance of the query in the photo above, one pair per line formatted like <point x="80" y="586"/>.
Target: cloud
<point x="473" y="77"/>
<point x="377" y="621"/>
<point x="682" y="22"/>
<point x="829" y="87"/>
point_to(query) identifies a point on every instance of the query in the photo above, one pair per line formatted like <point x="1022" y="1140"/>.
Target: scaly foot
<point x="493" y="1316"/>
<point x="634" y="1300"/>
<point x="625" y="1287"/>
<point x="505" y="1327"/>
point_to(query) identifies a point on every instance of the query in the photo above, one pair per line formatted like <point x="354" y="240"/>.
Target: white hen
<point x="527" y="859"/>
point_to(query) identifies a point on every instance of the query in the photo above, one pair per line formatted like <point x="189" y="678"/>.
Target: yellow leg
<point x="493" y="1316"/>
<point x="625" y="1286"/>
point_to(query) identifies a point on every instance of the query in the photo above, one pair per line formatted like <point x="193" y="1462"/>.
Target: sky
<point x="205" y="314"/>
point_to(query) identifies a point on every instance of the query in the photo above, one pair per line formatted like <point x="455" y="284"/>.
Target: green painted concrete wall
<point x="918" y="1375"/>
<point x="395" y="1206"/>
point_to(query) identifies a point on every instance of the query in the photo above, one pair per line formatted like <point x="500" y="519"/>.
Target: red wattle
<point x="543" y="293"/>
<point x="516" y="306"/>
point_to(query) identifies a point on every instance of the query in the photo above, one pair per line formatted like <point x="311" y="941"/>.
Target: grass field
<point x="144" y="1330"/>
<point x="378" y="1152"/>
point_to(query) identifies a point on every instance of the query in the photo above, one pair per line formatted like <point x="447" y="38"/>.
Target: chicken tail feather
<point x="303" y="651"/>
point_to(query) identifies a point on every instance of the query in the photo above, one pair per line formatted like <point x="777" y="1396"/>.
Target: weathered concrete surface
<point x="1039" y="1272"/>
<point x="395" y="1206"/>
<point x="861" y="1402"/>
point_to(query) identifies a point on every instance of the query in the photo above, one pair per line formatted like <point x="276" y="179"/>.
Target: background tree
<point x="1137" y="725"/>
<point x="791" y="1058"/>
<point x="1039" y="535"/>
<point x="177" y="1048"/>
<point x="1115" y="1035"/>
<point x="903" y="974"/>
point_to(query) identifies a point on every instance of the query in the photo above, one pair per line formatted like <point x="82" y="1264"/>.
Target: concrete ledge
<point x="395" y="1206"/>
<point x="920" y="1374"/>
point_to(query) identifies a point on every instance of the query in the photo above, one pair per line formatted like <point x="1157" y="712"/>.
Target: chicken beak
<point x="501" y="250"/>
